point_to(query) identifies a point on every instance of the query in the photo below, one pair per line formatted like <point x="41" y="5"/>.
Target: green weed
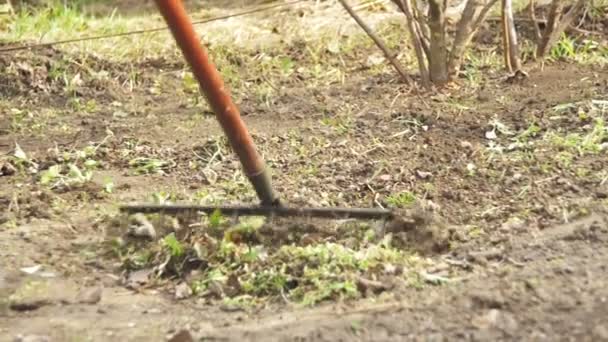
<point x="245" y="272"/>
<point x="341" y="124"/>
<point x="585" y="51"/>
<point x="174" y="247"/>
<point x="57" y="176"/>
<point x="144" y="165"/>
<point x="582" y="144"/>
<point x="402" y="199"/>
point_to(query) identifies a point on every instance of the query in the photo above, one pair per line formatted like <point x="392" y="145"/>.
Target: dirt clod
<point x="142" y="227"/>
<point x="90" y="295"/>
<point x="420" y="230"/>
<point x="488" y="300"/>
<point x="182" y="336"/>
<point x="183" y="291"/>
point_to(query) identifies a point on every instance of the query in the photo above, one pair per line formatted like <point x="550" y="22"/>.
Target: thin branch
<point x="389" y="56"/>
<point x="423" y="31"/>
<point x="406" y="6"/>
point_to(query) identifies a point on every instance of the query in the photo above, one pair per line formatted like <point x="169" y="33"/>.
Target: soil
<point x="525" y="249"/>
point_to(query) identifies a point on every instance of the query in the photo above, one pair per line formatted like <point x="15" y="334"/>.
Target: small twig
<point x="394" y="100"/>
<point x="267" y="80"/>
<point x="400" y="134"/>
<point x="604" y="180"/>
<point x="387" y="53"/>
<point x="13" y="206"/>
<point x="545" y="180"/>
<point x="285" y="299"/>
<point x="376" y="200"/>
<point x="460" y="263"/>
<point x="516" y="263"/>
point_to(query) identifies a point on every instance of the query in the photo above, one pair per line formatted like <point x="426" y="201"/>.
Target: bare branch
<point x="406" y="7"/>
<point x="423" y="31"/>
<point x="392" y="58"/>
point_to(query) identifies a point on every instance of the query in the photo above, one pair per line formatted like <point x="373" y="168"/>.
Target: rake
<point x="228" y="115"/>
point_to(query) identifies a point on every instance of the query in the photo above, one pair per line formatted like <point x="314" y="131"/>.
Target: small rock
<point x="471" y="167"/>
<point x="488" y="299"/>
<point x="423" y="174"/>
<point x="368" y="285"/>
<point x="434" y="279"/>
<point x="28" y="305"/>
<point x="495" y="318"/>
<point x="466" y="144"/>
<point x="120" y="114"/>
<point x="31" y="269"/>
<point x="486" y="255"/>
<point x="385" y="178"/>
<point x="152" y="311"/>
<point x="89" y="295"/>
<point x="491" y="135"/>
<point x="182" y="291"/>
<point x="210" y="176"/>
<point x="182" y="336"/>
<point x="601" y="193"/>
<point x="232" y="286"/>
<point x="513" y="224"/>
<point x="138" y="278"/>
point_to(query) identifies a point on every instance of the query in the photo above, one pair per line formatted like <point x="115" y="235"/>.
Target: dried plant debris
<point x="254" y="261"/>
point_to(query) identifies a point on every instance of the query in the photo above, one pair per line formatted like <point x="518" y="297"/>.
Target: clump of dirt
<point x="420" y="230"/>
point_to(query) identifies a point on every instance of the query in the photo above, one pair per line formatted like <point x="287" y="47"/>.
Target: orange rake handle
<point x="214" y="90"/>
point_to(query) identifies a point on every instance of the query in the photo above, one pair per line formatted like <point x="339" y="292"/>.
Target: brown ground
<point x="528" y="234"/>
